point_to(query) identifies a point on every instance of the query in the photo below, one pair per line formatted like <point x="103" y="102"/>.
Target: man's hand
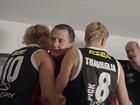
<point x="62" y="99"/>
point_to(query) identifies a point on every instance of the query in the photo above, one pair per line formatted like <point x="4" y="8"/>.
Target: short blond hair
<point x="95" y="30"/>
<point x="34" y="32"/>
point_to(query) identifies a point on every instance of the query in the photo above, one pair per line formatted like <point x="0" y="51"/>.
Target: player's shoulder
<point x="42" y="53"/>
<point x="72" y="52"/>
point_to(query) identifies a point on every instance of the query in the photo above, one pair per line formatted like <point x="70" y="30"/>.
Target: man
<point x="92" y="75"/>
<point x="132" y="71"/>
<point x="133" y="53"/>
<point x="62" y="39"/>
<point x="26" y="69"/>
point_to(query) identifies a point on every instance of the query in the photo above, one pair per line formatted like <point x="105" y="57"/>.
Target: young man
<point x="26" y="69"/>
<point x="132" y="71"/>
<point x="91" y="74"/>
<point x="62" y="39"/>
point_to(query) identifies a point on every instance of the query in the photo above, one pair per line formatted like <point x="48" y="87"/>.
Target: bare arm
<point x="46" y="79"/>
<point x="123" y="97"/>
<point x="67" y="66"/>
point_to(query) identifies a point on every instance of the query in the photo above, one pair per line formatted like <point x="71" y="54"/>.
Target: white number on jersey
<point x="12" y="68"/>
<point x="102" y="90"/>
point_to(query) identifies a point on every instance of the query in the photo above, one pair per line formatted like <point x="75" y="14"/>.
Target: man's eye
<point x="61" y="41"/>
<point x="53" y="39"/>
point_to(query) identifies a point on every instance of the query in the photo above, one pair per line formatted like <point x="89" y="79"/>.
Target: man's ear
<point x="72" y="45"/>
<point x="39" y="40"/>
<point x="139" y="50"/>
<point x="103" y="41"/>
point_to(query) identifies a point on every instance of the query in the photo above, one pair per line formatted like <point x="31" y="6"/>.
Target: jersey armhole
<point x="79" y="66"/>
<point x="118" y="71"/>
<point x="33" y="60"/>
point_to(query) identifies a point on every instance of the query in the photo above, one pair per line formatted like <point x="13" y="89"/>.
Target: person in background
<point x="133" y="53"/>
<point x="93" y="75"/>
<point x="132" y="71"/>
<point x="28" y="70"/>
<point x="62" y="39"/>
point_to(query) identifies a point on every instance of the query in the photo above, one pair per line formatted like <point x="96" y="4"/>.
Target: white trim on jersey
<point x="79" y="66"/>
<point x="33" y="60"/>
<point x="119" y="71"/>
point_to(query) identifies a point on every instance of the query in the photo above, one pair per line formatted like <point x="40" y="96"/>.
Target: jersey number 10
<point x="12" y="68"/>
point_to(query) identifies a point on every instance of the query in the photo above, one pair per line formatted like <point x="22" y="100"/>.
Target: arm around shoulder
<point x="49" y="95"/>
<point x="66" y="70"/>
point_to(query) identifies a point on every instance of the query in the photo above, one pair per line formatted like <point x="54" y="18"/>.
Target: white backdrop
<point x="11" y="34"/>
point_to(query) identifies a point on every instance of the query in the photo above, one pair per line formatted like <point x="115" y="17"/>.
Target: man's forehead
<point x="60" y="36"/>
<point x="132" y="44"/>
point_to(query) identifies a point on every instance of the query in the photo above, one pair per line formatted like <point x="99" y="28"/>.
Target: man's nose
<point x="56" y="44"/>
<point x="130" y="53"/>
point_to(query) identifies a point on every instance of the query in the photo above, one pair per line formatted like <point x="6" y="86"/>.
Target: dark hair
<point x="137" y="45"/>
<point x="67" y="27"/>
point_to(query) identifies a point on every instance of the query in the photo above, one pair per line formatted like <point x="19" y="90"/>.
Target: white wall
<point x="115" y="44"/>
<point x="11" y="34"/>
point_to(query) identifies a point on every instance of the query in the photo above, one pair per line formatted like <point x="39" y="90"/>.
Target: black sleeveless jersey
<point x="96" y="79"/>
<point x="57" y="61"/>
<point x="132" y="79"/>
<point x="20" y="78"/>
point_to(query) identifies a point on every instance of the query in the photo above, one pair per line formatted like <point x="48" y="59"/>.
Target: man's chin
<point x="133" y="60"/>
<point x="55" y="54"/>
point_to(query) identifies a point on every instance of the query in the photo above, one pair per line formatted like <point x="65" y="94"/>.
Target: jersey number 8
<point x="102" y="90"/>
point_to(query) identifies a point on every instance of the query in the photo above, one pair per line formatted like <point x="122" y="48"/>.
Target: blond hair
<point x="34" y="32"/>
<point x="94" y="31"/>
